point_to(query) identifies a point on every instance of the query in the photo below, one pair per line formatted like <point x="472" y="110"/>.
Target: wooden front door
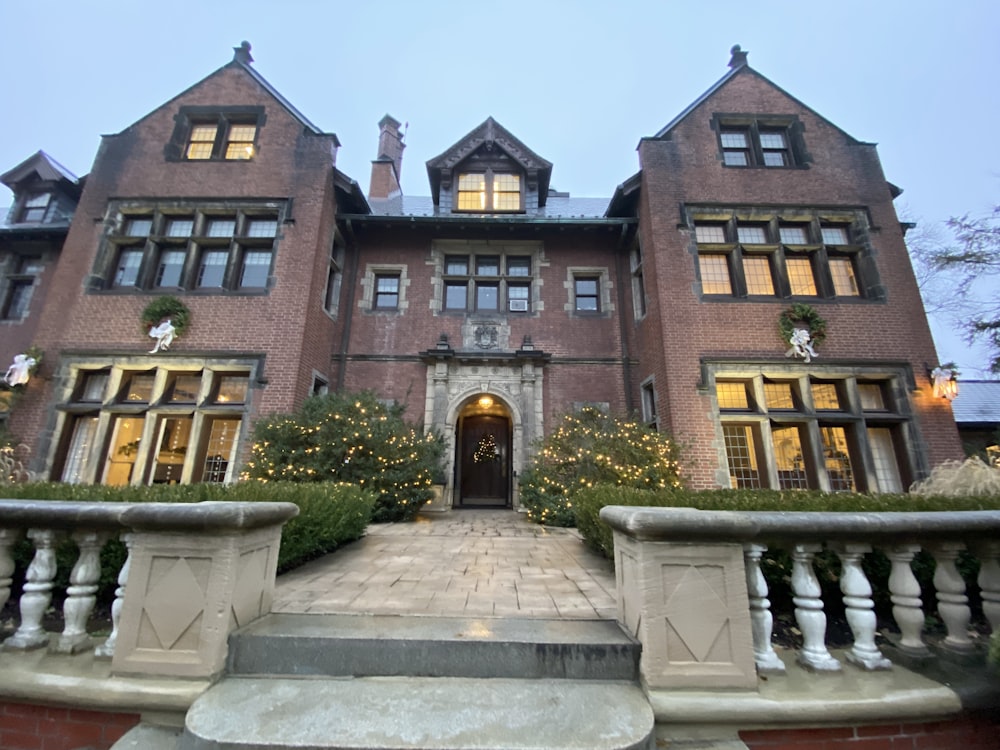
<point x="484" y="469"/>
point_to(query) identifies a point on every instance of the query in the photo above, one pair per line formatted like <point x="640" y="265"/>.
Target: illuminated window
<point x="757" y="270"/>
<point x="741" y="452"/>
<point x="845" y="283"/>
<point x="825" y="396"/>
<point x="837" y="456"/>
<point x="202" y="141"/>
<point x="788" y="458"/>
<point x="715" y="274"/>
<point x="801" y="280"/>
<point x="230" y="141"/>
<point x="240" y="142"/>
<point x="489" y="191"/>
<point x="778" y="395"/>
<point x="732" y="395"/>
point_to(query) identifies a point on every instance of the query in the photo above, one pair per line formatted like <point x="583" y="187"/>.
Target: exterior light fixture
<point x="944" y="378"/>
<point x="485" y="401"/>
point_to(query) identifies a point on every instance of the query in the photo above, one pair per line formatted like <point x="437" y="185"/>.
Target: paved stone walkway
<point x="479" y="563"/>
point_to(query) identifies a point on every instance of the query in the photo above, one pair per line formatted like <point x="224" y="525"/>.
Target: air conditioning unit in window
<point x="518" y="305"/>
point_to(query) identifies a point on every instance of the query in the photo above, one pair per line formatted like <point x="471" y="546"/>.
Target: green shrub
<point x="591" y="448"/>
<point x="330" y="515"/>
<point x="351" y="438"/>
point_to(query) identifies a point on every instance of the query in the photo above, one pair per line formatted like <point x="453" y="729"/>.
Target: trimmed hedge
<point x="330" y="515"/>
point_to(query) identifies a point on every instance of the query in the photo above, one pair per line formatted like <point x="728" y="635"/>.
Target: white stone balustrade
<point x="194" y="573"/>
<point x="671" y="562"/>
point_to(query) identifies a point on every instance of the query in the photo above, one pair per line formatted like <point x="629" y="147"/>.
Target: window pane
<point x="256" y="265"/>
<point x="95" y="384"/>
<point x="775" y="159"/>
<point x="751" y="235"/>
<point x="506" y="192"/>
<point x="262" y="228"/>
<point x="735" y="158"/>
<point x="741" y="455"/>
<point x="518" y="266"/>
<point x="387" y="292"/>
<point x="715" y="274"/>
<point x="232" y="389"/>
<point x="732" y="395"/>
<point x="185" y="389"/>
<point x="825" y="396"/>
<point x="18" y="297"/>
<point x="710" y="233"/>
<point x="800" y="276"/>
<point x="586" y="287"/>
<point x="179" y="227"/>
<point x="778" y="395"/>
<point x="884" y="459"/>
<point x="221" y="228"/>
<point x="212" y="270"/>
<point x="78" y="454"/>
<point x="127" y="271"/>
<point x="734" y="139"/>
<point x="472" y="192"/>
<point x="455" y="296"/>
<point x="220" y="449"/>
<point x="456" y="265"/>
<point x="788" y="458"/>
<point x="871" y="397"/>
<point x="487" y="265"/>
<point x="586" y="295"/>
<point x="517" y="297"/>
<point x="486" y="297"/>
<point x="838" y="459"/>
<point x="202" y="141"/>
<point x="240" y="144"/>
<point x="844" y="282"/>
<point x="172" y="447"/>
<point x="139" y="388"/>
<point x="138" y="227"/>
<point x="772" y="140"/>
<point x="168" y="271"/>
<point x="834" y="235"/>
<point x="757" y="270"/>
<point x="793" y="235"/>
<point x="123" y="451"/>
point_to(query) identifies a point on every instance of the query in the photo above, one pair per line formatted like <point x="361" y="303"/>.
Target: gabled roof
<point x="47" y="169"/>
<point x="242" y="60"/>
<point x="491" y="134"/>
<point x="978" y="402"/>
<point x="738" y="67"/>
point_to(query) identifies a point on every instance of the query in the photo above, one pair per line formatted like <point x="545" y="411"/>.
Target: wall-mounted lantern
<point x="945" y="381"/>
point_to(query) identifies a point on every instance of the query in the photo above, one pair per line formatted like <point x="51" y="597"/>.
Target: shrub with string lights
<point x="591" y="447"/>
<point x="354" y="438"/>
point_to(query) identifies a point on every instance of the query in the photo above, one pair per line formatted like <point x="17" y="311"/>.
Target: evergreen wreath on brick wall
<point x="166" y="307"/>
<point x="801" y="315"/>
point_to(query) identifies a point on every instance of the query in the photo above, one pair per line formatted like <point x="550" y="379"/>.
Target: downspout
<point x="621" y="258"/>
<point x="345" y="340"/>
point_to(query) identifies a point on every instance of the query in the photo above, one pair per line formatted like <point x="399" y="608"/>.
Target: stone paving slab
<point x="485" y="563"/>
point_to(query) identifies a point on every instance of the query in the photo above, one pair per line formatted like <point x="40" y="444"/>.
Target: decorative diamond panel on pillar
<point x="173" y="602"/>
<point x="249" y="591"/>
<point x="696" y="614"/>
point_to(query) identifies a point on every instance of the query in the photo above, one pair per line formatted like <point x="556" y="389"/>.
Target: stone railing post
<point x="809" y="612"/>
<point x="196" y="573"/>
<point x="989" y="581"/>
<point x="859" y="608"/>
<point x="907" y="607"/>
<point x="953" y="604"/>
<point x="80" y="595"/>
<point x="107" y="649"/>
<point x="761" y="619"/>
<point x="37" y="593"/>
<point x="8" y="538"/>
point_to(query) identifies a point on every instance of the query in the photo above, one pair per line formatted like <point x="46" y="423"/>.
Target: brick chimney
<point x="387" y="167"/>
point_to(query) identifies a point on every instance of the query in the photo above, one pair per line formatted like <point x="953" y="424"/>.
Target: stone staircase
<point x="318" y="682"/>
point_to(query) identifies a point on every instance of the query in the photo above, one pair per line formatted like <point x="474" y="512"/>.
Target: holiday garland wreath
<point x="166" y="307"/>
<point x="801" y="315"/>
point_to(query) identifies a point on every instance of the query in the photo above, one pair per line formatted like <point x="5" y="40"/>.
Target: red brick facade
<point x="968" y="733"/>
<point x="33" y="727"/>
<point x="368" y="294"/>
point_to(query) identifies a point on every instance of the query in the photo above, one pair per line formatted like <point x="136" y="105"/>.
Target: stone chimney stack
<point x="387" y="167"/>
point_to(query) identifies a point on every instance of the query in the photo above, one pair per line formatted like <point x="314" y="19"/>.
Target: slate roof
<point x="559" y="206"/>
<point x="978" y="402"/>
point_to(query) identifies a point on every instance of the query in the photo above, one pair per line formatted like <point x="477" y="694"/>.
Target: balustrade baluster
<point x="8" y="538"/>
<point x="761" y="619"/>
<point x="809" y="611"/>
<point x="989" y="581"/>
<point x="107" y="649"/>
<point x="37" y="592"/>
<point x="859" y="608"/>
<point x="907" y="607"/>
<point x="953" y="604"/>
<point x="80" y="595"/>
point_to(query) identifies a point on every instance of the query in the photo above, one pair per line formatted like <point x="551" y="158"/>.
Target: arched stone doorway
<point x="483" y="454"/>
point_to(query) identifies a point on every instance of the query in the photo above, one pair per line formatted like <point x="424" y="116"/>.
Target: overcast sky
<point x="578" y="82"/>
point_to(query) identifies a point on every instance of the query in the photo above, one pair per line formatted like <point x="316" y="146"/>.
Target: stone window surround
<point x="753" y="125"/>
<point x="373" y="270"/>
<point x="189" y="117"/>
<point x="604" y="285"/>
<point x="440" y="249"/>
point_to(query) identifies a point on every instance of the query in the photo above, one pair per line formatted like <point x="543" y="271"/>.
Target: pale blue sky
<point x="579" y="82"/>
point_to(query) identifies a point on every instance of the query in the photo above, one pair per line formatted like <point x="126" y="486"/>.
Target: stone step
<point x="387" y="645"/>
<point x="425" y="713"/>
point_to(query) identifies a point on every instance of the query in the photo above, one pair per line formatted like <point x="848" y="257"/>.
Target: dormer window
<point x="489" y="191"/>
<point x="34" y="208"/>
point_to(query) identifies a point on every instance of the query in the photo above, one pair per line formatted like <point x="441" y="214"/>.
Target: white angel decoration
<point x="801" y="345"/>
<point x="164" y="335"/>
<point x="20" y="371"/>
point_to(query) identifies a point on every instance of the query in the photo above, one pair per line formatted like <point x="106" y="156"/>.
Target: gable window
<point x="486" y="282"/>
<point x="489" y="191"/>
<point x="844" y="435"/>
<point x="200" y="247"/>
<point x="34" y="208"/>
<point x="386" y="291"/>
<point x="221" y="140"/>
<point x="747" y="142"/>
